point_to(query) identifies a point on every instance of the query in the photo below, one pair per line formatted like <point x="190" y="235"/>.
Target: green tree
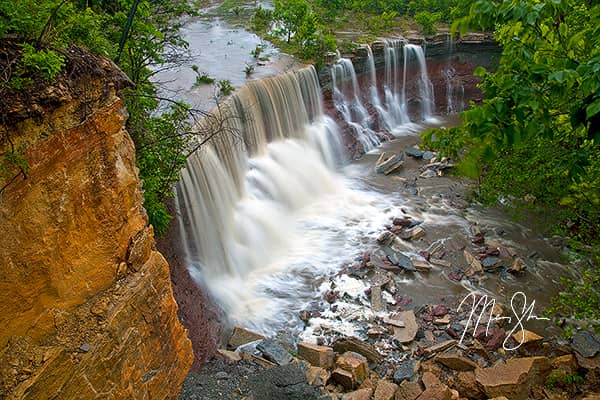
<point x="427" y="20"/>
<point x="291" y="14"/>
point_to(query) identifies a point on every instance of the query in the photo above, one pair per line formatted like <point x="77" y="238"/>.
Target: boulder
<point x="274" y="352"/>
<point x="586" y="344"/>
<point x="229" y="355"/>
<point x="241" y="336"/>
<point x="360" y="394"/>
<point x="414" y="152"/>
<point x="354" y="363"/>
<point x="466" y="385"/>
<point x="434" y="388"/>
<point x="317" y="376"/>
<point x="318" y="356"/>
<point x="408" y="333"/>
<point x="439" y="311"/>
<point x="456" y="362"/>
<point x="283" y="382"/>
<point x="514" y="378"/>
<point x="385" y="390"/>
<point x="436" y="348"/>
<point x="405" y="371"/>
<point x="344" y="378"/>
<point x="408" y="390"/>
<point x="527" y="337"/>
<point x="363" y="348"/>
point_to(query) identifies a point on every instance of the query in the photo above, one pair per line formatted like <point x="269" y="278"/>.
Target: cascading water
<point x="348" y="103"/>
<point x="455" y="92"/>
<point x="425" y="86"/>
<point x="237" y="196"/>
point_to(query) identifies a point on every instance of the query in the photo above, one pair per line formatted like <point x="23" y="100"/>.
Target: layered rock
<point x="87" y="306"/>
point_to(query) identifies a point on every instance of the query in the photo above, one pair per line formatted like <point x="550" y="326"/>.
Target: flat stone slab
<point x="408" y="333"/>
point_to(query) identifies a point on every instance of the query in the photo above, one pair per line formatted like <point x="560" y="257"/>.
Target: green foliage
<point x="46" y="63"/>
<point x="202" y="78"/>
<point x="249" y="69"/>
<point x="258" y="50"/>
<point x="580" y="298"/>
<point x="262" y="20"/>
<point x="561" y="379"/>
<point x="160" y="157"/>
<point x="427" y="21"/>
<point x="225" y="87"/>
<point x="291" y="15"/>
<point x="383" y="22"/>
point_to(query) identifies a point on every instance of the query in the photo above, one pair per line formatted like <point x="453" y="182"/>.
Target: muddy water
<point x="221" y="51"/>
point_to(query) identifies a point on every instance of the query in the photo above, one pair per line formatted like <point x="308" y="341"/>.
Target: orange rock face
<point x="87" y="307"/>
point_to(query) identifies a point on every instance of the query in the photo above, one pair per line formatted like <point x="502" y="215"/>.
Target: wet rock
<point x="354" y="363"/>
<point x="317" y="376"/>
<point x="425" y="254"/>
<point x="363" y="348"/>
<point x="415" y="233"/>
<point x="397" y="258"/>
<point x="478" y="239"/>
<point x="429" y="173"/>
<point x="283" y="382"/>
<point x="361" y="394"/>
<point x="388" y="163"/>
<point x="490" y="263"/>
<point x="436" y="348"/>
<point x="475" y="267"/>
<point x="385" y="238"/>
<point x="455" y="276"/>
<point x="586" y="344"/>
<point x="456" y="362"/>
<point x="408" y="333"/>
<point x="405" y="371"/>
<point x="518" y="266"/>
<point x="385" y="390"/>
<point x="514" y="378"/>
<point x="422" y="266"/>
<point x="377" y="304"/>
<point x="274" y="352"/>
<point x="376" y="332"/>
<point x="318" y="356"/>
<point x="403" y="222"/>
<point x="414" y="152"/>
<point x="440" y="262"/>
<point x="241" y="336"/>
<point x="441" y="321"/>
<point x="408" y="390"/>
<point x="439" y="310"/>
<point x="428" y="155"/>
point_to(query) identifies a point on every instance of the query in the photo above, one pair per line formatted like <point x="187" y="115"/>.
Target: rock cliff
<point x="87" y="307"/>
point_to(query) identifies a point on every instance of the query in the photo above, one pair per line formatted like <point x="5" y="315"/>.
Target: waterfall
<point x="237" y="195"/>
<point x="425" y="86"/>
<point x="346" y="97"/>
<point x="455" y="91"/>
<point x="396" y="105"/>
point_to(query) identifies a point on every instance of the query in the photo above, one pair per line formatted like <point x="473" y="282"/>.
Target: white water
<point x="346" y="97"/>
<point x="262" y="210"/>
